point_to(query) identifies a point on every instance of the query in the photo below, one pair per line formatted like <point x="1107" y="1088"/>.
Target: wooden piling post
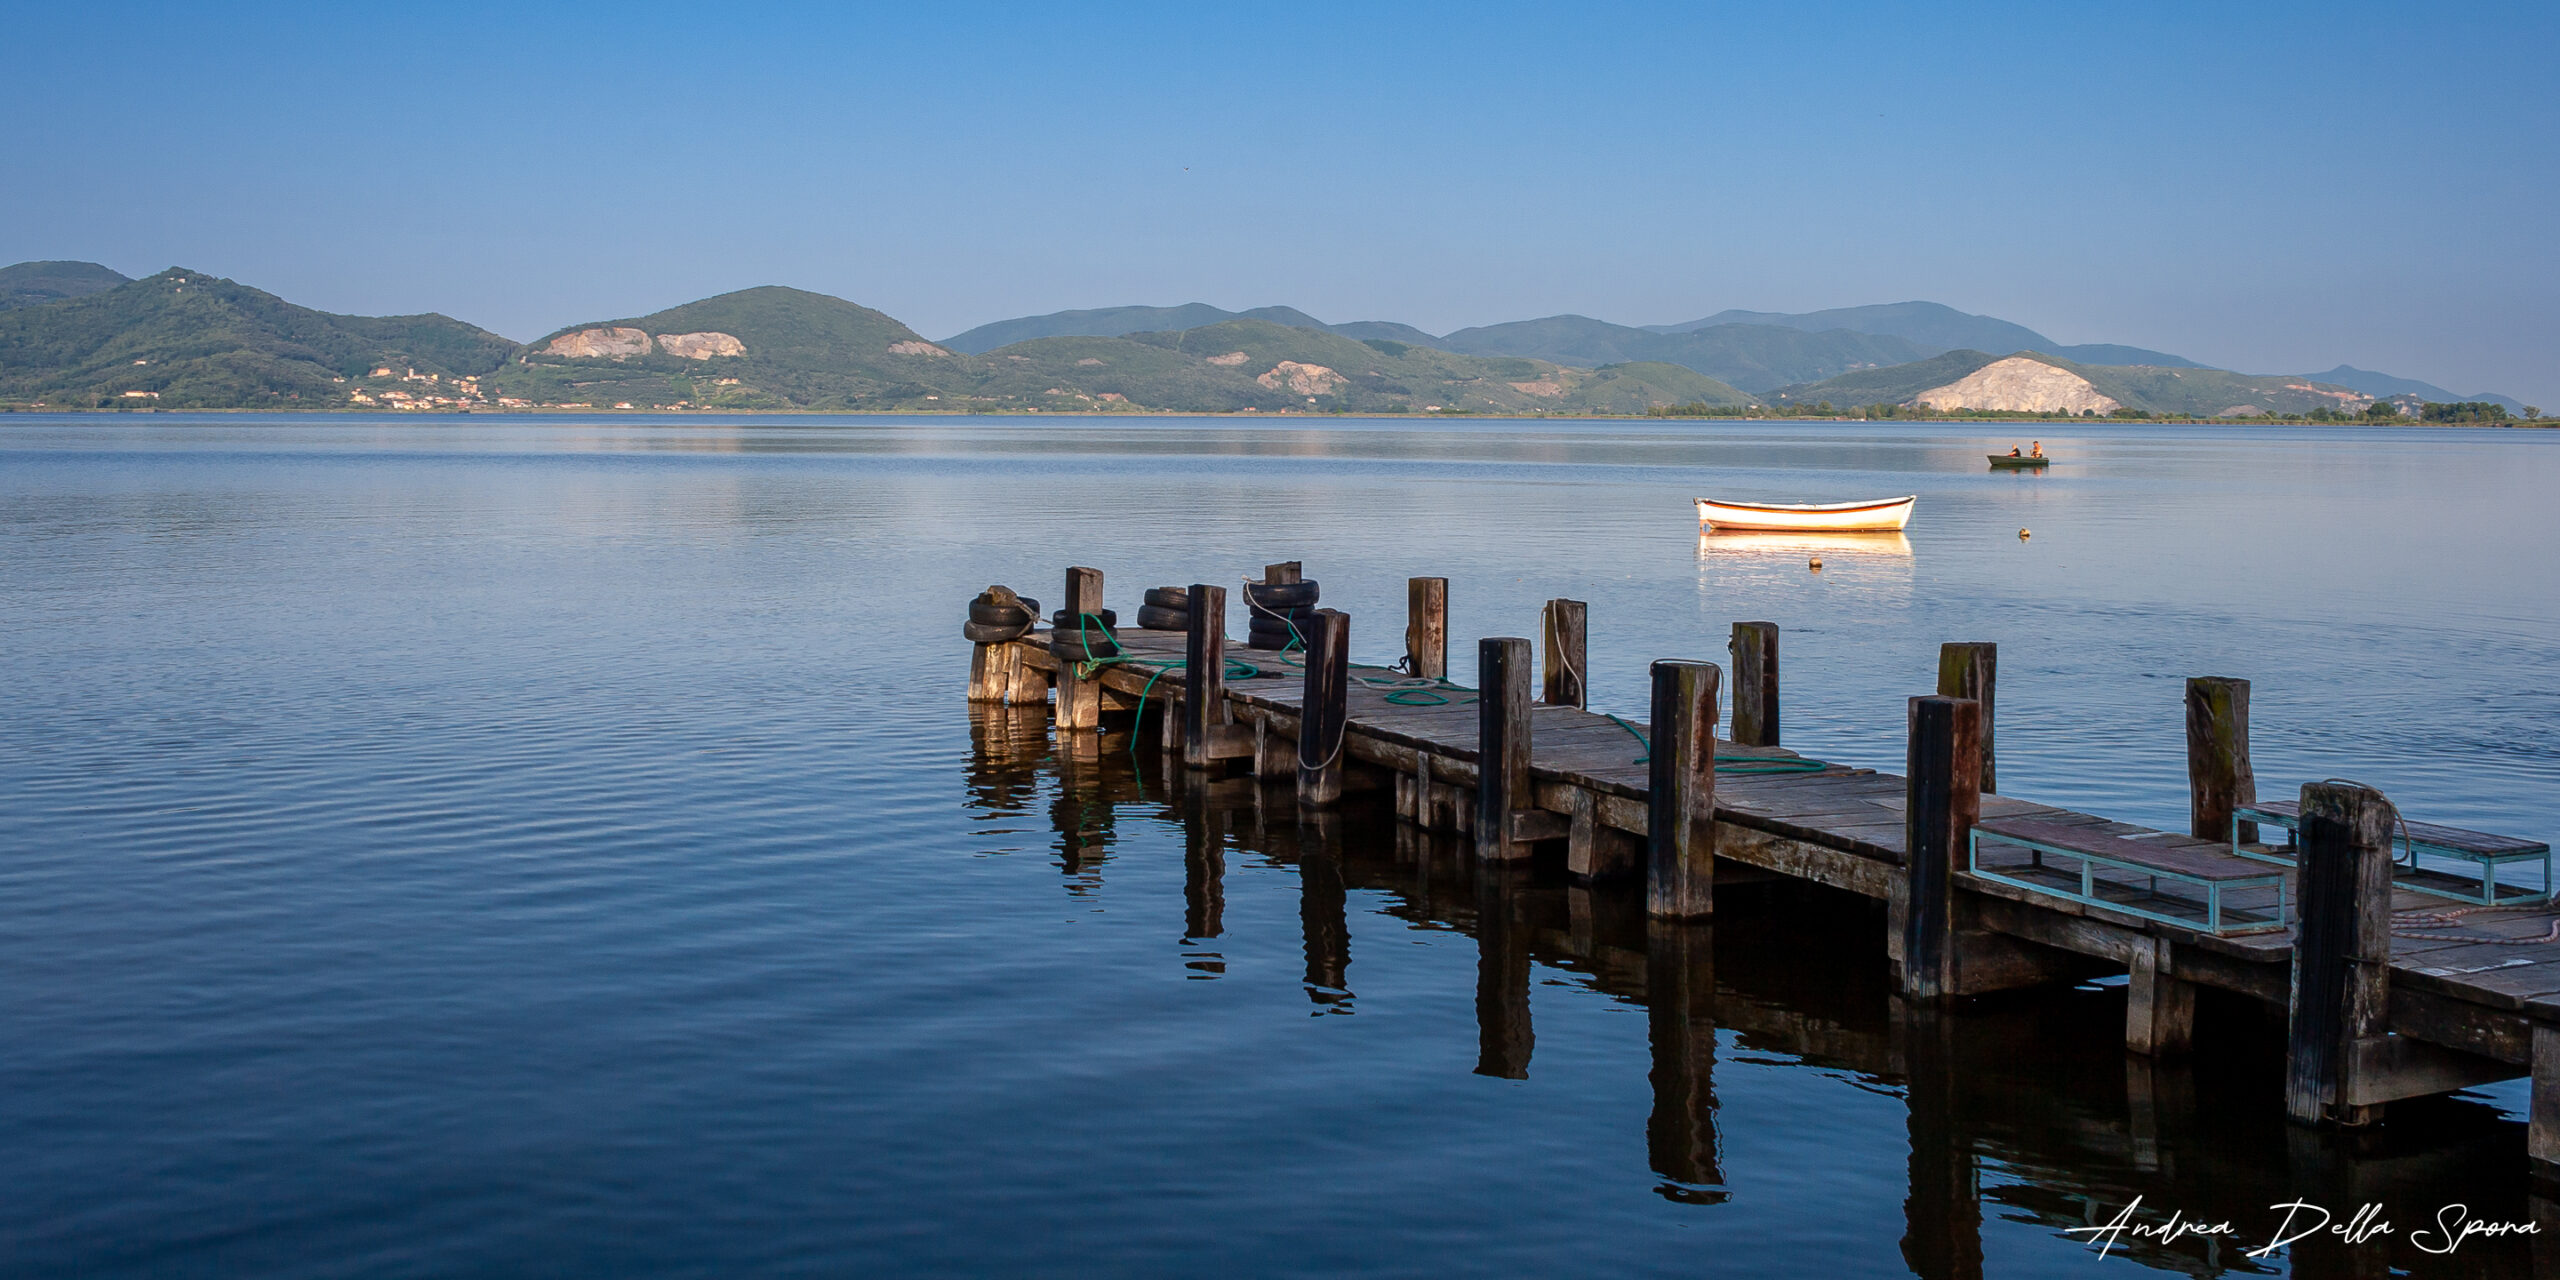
<point x="2340" y="998"/>
<point x="1079" y="698"/>
<point x="2160" y="1008"/>
<point x="2218" y="775"/>
<point x="1942" y="798"/>
<point x="1286" y="571"/>
<point x="1566" y="629"/>
<point x="2542" y="1137"/>
<point x="1681" y="799"/>
<point x="1324" y="718"/>
<point x="1971" y="670"/>
<point x="1426" y="627"/>
<point x="1204" y="674"/>
<point x="1755" y="684"/>
<point x="1502" y="746"/>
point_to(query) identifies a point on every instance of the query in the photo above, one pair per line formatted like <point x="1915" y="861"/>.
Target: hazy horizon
<point x="2281" y="189"/>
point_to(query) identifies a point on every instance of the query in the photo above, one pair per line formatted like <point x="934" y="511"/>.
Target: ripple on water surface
<point x="564" y="849"/>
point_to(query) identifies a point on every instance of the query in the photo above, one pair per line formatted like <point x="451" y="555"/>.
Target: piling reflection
<point x="2021" y="1111"/>
<point x="1504" y="1039"/>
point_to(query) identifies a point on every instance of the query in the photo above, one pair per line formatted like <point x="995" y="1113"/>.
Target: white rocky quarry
<point x="1302" y="379"/>
<point x="614" y="342"/>
<point x="2020" y="385"/>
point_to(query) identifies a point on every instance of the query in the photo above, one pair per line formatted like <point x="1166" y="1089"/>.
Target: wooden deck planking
<point x="2483" y="961"/>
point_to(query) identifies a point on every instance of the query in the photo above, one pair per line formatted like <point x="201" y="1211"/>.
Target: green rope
<point x="1086" y="624"/>
<point x="1737" y="766"/>
<point x="1647" y="743"/>
<point x="1236" y="669"/>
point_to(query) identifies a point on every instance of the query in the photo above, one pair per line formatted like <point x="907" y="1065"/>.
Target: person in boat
<point x="2038" y="446"/>
<point x="2013" y="451"/>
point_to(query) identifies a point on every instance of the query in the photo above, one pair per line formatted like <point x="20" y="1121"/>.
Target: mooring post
<point x="1942" y="797"/>
<point x="986" y="683"/>
<point x="1502" y="746"/>
<point x="1204" y="674"/>
<point x="1079" y="696"/>
<point x="1286" y="571"/>
<point x="1324" y="719"/>
<point x="1681" y="791"/>
<point x="1426" y="627"/>
<point x="2218" y="775"/>
<point x="997" y="673"/>
<point x="1755" y="684"/>
<point x="1565" y="629"/>
<point x="2341" y="953"/>
<point x="1970" y="670"/>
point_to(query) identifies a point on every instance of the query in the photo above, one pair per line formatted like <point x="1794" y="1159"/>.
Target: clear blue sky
<point x="2277" y="187"/>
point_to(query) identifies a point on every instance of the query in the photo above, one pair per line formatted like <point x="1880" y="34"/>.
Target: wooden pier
<point x="2389" y="989"/>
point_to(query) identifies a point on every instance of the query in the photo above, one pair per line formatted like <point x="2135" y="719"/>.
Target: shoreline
<point x="2532" y="424"/>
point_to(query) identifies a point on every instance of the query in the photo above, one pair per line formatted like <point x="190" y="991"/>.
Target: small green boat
<point x="2017" y="462"/>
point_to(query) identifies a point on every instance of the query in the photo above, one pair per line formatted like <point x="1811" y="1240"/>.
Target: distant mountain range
<point x="80" y="335"/>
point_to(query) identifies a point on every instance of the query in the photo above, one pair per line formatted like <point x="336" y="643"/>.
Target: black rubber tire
<point x="1282" y="624"/>
<point x="1259" y="640"/>
<point x="1062" y="622"/>
<point x="999" y="615"/>
<point x="1285" y="595"/>
<point x="1156" y="618"/>
<point x="1169" y="598"/>
<point x="988" y="633"/>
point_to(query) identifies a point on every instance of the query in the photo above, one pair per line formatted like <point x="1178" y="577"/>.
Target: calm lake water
<point x="504" y="847"/>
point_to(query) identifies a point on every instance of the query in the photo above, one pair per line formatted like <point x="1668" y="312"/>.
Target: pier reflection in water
<point x="2022" y="1113"/>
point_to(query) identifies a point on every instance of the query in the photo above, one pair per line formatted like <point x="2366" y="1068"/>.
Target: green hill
<point x="1267" y="367"/>
<point x="1117" y="322"/>
<point x="1936" y="325"/>
<point x="762" y="348"/>
<point x="1894" y="384"/>
<point x="30" y="284"/>
<point x="1752" y="357"/>
<point x="183" y="339"/>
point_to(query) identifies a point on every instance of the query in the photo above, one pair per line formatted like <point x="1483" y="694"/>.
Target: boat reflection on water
<point x="2022" y="1111"/>
<point x="1871" y="562"/>
<point x="1801" y="546"/>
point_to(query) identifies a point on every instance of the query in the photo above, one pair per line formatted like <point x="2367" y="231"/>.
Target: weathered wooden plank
<point x="2460" y="1024"/>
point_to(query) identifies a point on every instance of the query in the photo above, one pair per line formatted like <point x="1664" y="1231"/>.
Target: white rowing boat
<point x="1884" y="515"/>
